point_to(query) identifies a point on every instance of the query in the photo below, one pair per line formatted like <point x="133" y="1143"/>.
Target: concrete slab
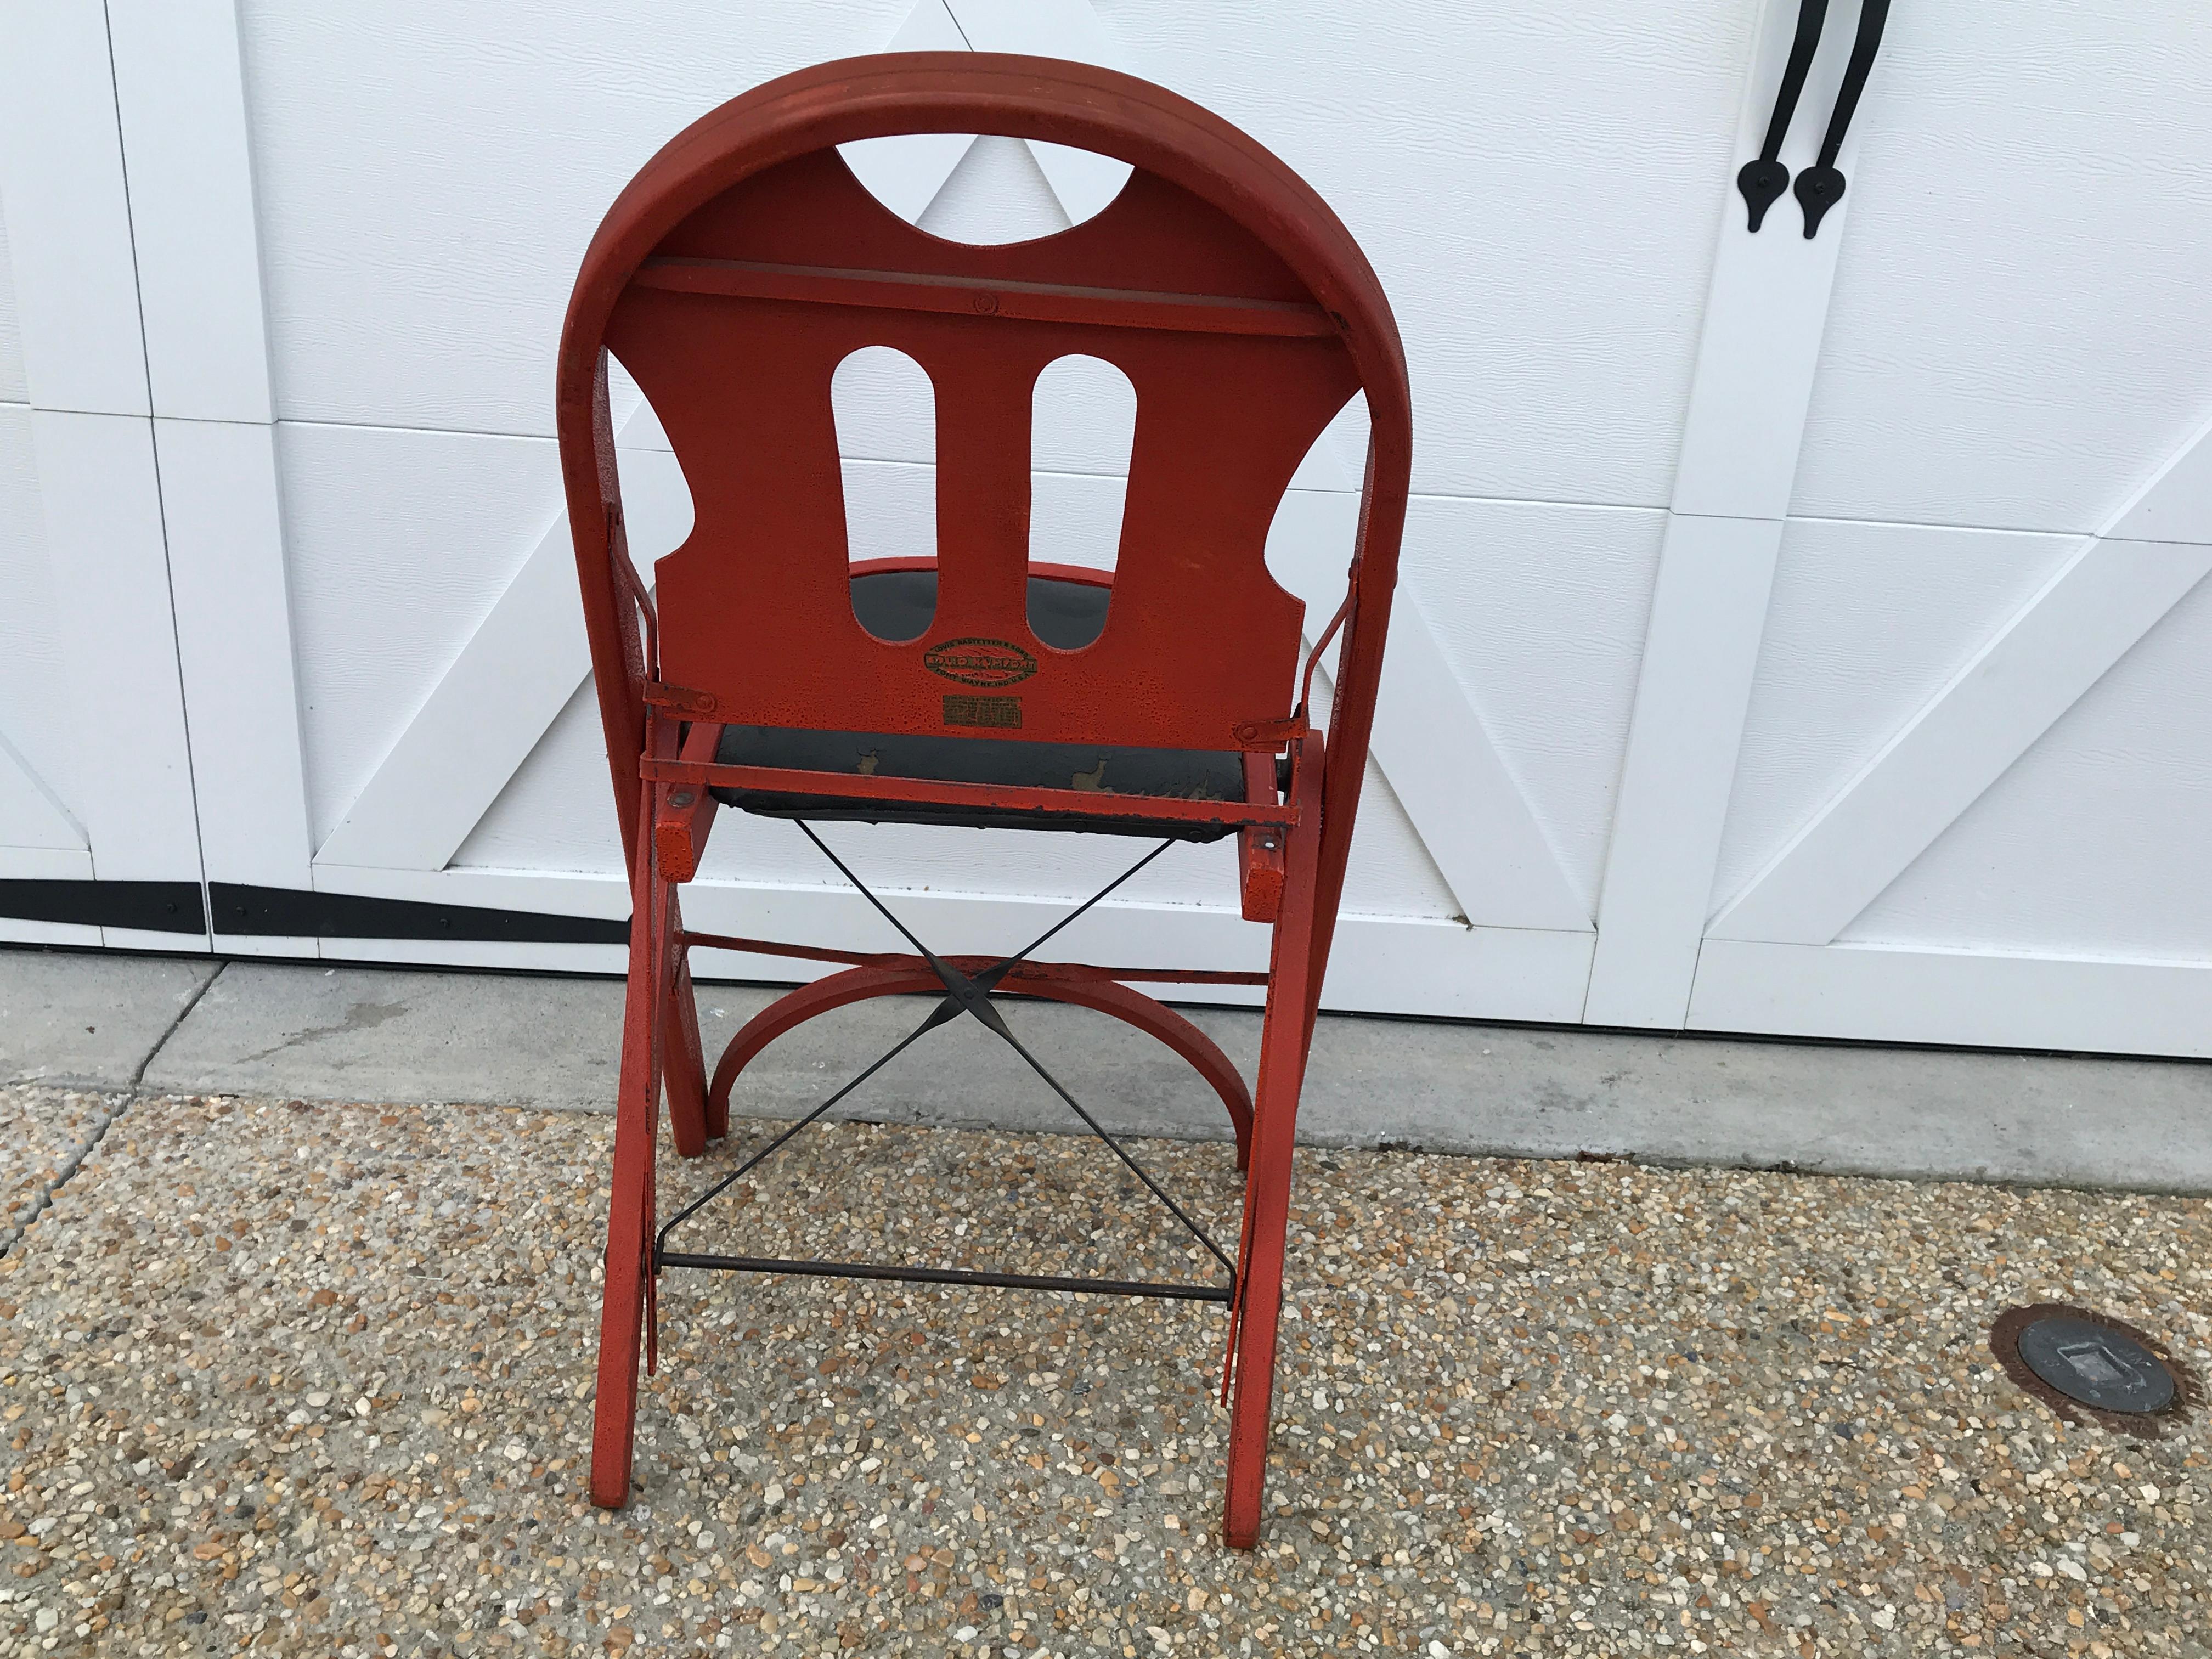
<point x="378" y="1034"/>
<point x="317" y="1033"/>
<point x="86" y="1020"/>
<point x="1831" y="1108"/>
<point x="371" y="1034"/>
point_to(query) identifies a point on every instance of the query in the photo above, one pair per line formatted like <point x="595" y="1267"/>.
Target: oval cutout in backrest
<point x="885" y="409"/>
<point x="658" y="511"/>
<point x="1083" y="431"/>
<point x="984" y="191"/>
<point x="1316" y="527"/>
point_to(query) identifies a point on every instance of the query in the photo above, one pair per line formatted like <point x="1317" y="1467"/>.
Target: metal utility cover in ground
<point x="2087" y="1360"/>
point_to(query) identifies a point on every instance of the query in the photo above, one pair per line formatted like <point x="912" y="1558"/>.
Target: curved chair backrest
<point x="746" y="262"/>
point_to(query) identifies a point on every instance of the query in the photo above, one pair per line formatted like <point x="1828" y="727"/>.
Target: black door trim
<point x="157" y="907"/>
<point x="175" y="906"/>
<point x="286" y="911"/>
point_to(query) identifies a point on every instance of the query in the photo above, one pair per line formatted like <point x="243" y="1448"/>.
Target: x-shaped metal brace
<point x="970" y="994"/>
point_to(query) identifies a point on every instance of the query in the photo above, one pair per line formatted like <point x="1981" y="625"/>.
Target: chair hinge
<point x="682" y="699"/>
<point x="1271" y="734"/>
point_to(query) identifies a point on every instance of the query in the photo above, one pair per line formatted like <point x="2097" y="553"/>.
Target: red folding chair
<point x="766" y="671"/>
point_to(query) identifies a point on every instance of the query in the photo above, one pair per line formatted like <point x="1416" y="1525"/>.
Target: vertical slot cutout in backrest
<point x="1083" y="430"/>
<point x="885" y="409"/>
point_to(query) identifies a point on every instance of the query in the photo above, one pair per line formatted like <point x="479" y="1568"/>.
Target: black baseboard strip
<point x="174" y="906"/>
<point x="288" y="912"/>
<point x="156" y="906"/>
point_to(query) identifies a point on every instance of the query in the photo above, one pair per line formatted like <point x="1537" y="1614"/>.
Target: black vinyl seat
<point x="1065" y="615"/>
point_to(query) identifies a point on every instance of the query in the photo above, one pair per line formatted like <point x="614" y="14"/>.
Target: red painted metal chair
<point x="765" y="671"/>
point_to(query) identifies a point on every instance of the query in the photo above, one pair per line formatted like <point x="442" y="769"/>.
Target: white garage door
<point x="98" y="838"/>
<point x="1795" y="635"/>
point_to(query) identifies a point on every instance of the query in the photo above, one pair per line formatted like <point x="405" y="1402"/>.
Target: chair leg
<point x="692" y="1119"/>
<point x="1260" y="1286"/>
<point x="630" y="1209"/>
<point x="1284" y="1040"/>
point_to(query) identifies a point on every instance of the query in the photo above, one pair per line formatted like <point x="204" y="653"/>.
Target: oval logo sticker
<point x="979" y="662"/>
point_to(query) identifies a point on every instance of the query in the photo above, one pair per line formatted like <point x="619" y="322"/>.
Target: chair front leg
<point x="630" y="1203"/>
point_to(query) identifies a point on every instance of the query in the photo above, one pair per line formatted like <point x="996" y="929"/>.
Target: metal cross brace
<point x="970" y="994"/>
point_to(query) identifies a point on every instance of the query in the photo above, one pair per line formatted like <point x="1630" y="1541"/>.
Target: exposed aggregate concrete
<point x="319" y="1380"/>
<point x="43" y="1131"/>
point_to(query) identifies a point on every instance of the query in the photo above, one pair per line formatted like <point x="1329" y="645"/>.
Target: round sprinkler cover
<point x="2087" y="1360"/>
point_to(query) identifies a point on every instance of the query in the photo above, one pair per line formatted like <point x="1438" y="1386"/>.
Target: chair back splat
<point x="740" y="268"/>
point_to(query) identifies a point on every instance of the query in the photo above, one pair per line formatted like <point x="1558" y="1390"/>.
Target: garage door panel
<point x="33" y="691"/>
<point x="1866" y="623"/>
<point x="556" y="813"/>
<point x="14" y="385"/>
<point x="2026" y="230"/>
<point x="87" y="642"/>
<point x="397" y="544"/>
<point x="1438" y="133"/>
<point x="428" y="176"/>
<point x="2092" y="843"/>
<point x="1540" y="610"/>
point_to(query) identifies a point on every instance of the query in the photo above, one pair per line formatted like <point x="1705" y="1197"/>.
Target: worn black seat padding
<point x="1067" y="615"/>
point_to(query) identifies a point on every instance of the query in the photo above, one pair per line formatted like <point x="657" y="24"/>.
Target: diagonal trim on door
<point x="37" y="834"/>
<point x="1429" y="740"/>
<point x="517" y="673"/>
<point x="2113" y="592"/>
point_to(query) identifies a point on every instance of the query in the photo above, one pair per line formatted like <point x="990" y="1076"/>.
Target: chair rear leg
<point x="629" y="1210"/>
<point x="1294" y="965"/>
<point x="692" y="1117"/>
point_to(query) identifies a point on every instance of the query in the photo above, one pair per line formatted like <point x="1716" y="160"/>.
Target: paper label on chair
<point x="979" y="662"/>
<point x="982" y="711"/>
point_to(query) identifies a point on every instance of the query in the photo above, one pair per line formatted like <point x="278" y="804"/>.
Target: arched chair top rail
<point x="1074" y="104"/>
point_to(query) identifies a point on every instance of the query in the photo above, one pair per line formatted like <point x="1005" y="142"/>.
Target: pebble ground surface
<point x="41" y="1132"/>
<point x="319" y="1380"/>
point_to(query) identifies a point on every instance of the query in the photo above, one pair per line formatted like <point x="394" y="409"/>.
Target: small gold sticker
<point x="1005" y="712"/>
